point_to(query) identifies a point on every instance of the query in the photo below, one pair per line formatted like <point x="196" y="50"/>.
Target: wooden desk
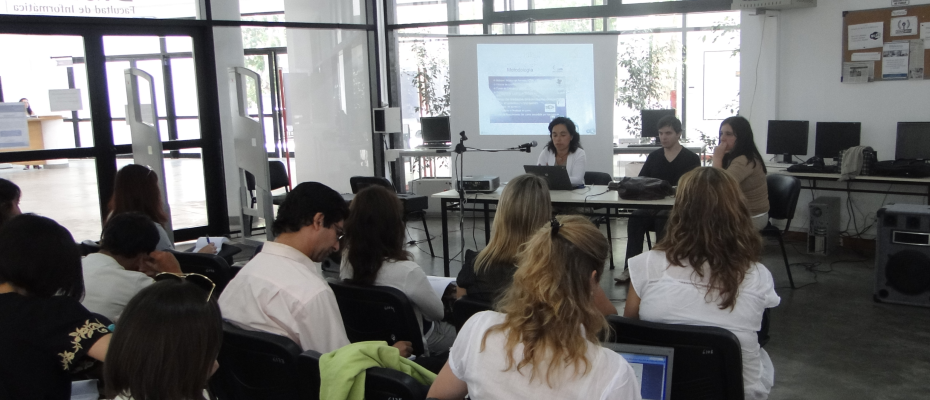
<point x="36" y="138"/>
<point x="595" y="195"/>
<point x="813" y="178"/>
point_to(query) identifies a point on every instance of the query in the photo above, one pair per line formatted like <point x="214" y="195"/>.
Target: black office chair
<point x="378" y="313"/>
<point x="380" y="383"/>
<point x="601" y="178"/>
<point x="277" y="174"/>
<point x="784" y="191"/>
<point x="212" y="266"/>
<point x="88" y="247"/>
<point x="258" y="366"/>
<point x="464" y="308"/>
<point x="413" y="205"/>
<point x="708" y="360"/>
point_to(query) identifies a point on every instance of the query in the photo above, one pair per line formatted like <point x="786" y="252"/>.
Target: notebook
<point x="653" y="367"/>
<point x="555" y="175"/>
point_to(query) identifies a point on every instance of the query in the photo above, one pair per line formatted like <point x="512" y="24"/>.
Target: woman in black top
<point x="46" y="333"/>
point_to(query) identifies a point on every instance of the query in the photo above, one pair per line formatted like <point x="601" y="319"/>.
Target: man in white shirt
<point x="282" y="289"/>
<point x="119" y="271"/>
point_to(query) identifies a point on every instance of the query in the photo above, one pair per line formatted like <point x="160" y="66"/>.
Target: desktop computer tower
<point x="902" y="259"/>
<point x="824" y="233"/>
<point x="428" y="187"/>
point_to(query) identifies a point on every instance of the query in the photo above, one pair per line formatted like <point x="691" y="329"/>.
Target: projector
<point x="479" y="184"/>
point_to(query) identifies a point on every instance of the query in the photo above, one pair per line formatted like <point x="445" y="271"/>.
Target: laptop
<point x="556" y="175"/>
<point x="436" y="132"/>
<point x="653" y="367"/>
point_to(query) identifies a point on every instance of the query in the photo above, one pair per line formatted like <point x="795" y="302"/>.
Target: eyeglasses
<point x="197" y="279"/>
<point x="339" y="232"/>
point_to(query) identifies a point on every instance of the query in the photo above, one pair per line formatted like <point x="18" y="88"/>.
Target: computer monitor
<point x="435" y="130"/>
<point x="650" y="118"/>
<point x="652" y="365"/>
<point x="834" y="137"/>
<point x="913" y="141"/>
<point x="788" y="138"/>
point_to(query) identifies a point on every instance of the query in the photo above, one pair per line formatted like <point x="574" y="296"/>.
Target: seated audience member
<point x="136" y="190"/>
<point x="45" y="332"/>
<point x="9" y="200"/>
<point x="524" y="207"/>
<point x="668" y="163"/>
<point x="374" y="255"/>
<point x="737" y="154"/>
<point x="119" y="271"/>
<point x="705" y="271"/>
<point x="564" y="148"/>
<point x="166" y="344"/>
<point x="544" y="341"/>
<point x="282" y="290"/>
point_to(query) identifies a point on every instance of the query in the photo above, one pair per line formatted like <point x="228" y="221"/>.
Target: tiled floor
<point x="829" y="339"/>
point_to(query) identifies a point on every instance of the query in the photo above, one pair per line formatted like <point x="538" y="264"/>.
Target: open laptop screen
<point x="653" y="367"/>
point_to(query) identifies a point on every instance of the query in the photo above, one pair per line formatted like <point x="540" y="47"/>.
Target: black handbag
<point x="642" y="188"/>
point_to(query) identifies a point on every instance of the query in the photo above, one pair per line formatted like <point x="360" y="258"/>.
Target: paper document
<point x="925" y="33"/>
<point x="894" y="60"/>
<point x="216" y="241"/>
<point x="14" y="130"/>
<point x="858" y="72"/>
<point x="65" y="100"/>
<point x="904" y="26"/>
<point x="915" y="69"/>
<point x="865" y="36"/>
<point x="439" y="284"/>
<point x="875" y="56"/>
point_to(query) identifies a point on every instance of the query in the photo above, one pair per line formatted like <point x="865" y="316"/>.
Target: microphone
<point x="526" y="146"/>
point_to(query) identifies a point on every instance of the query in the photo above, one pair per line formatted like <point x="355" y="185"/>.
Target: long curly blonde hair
<point x="710" y="224"/>
<point x="549" y="308"/>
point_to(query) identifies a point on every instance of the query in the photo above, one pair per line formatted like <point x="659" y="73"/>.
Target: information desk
<point x="45" y="133"/>
<point x="813" y="178"/>
<point x="590" y="196"/>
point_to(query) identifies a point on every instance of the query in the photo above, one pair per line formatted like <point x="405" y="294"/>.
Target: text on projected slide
<point x="522" y="87"/>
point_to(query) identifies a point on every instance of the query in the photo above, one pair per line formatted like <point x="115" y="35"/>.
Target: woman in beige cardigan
<point x="737" y="154"/>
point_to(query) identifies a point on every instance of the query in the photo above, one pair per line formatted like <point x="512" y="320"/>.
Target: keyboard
<point x="434" y="147"/>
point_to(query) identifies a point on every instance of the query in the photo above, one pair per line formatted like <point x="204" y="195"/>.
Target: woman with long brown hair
<point x="706" y="271"/>
<point x="543" y="342"/>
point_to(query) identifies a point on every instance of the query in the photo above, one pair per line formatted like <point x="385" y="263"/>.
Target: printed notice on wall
<point x="866" y="36"/>
<point x="894" y="60"/>
<point x="858" y="72"/>
<point x="876" y="56"/>
<point x="916" y="63"/>
<point x="65" y="100"/>
<point x="904" y="26"/>
<point x="14" y="130"/>
<point x="925" y="34"/>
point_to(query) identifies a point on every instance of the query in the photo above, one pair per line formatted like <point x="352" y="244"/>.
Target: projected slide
<point x="522" y="87"/>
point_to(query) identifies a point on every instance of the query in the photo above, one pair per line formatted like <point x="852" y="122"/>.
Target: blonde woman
<point x="705" y="271"/>
<point x="524" y="207"/>
<point x="543" y="342"/>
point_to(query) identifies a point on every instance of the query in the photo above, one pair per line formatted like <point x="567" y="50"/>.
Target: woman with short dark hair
<point x="374" y="255"/>
<point x="46" y="333"/>
<point x="167" y="341"/>
<point x="564" y="148"/>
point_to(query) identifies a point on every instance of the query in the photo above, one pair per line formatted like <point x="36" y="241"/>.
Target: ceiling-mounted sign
<point x="102" y="8"/>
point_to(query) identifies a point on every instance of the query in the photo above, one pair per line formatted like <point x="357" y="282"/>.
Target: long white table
<point x="813" y="178"/>
<point x="590" y="196"/>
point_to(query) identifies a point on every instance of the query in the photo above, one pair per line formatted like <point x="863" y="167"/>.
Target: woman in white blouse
<point x="705" y="271"/>
<point x="564" y="148"/>
<point x="543" y="343"/>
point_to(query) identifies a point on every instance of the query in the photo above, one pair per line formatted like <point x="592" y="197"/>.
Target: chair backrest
<point x="377" y="313"/>
<point x="597" y="178"/>
<point x="360" y="182"/>
<point x="277" y="174"/>
<point x="258" y="365"/>
<point x="380" y="383"/>
<point x="88" y="247"/>
<point x="210" y="265"/>
<point x="708" y="360"/>
<point x="784" y="191"/>
<point x="464" y="308"/>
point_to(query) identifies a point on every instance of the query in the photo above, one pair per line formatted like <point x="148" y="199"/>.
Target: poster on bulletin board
<point x="886" y="44"/>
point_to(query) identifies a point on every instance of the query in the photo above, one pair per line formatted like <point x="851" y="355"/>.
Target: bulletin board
<point x="861" y="42"/>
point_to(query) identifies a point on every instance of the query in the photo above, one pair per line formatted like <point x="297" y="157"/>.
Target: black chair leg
<point x="648" y="240"/>
<point x="610" y="241"/>
<point x="426" y="229"/>
<point x="784" y="253"/>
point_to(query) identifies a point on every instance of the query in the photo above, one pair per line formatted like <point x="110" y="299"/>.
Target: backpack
<point x="642" y="188"/>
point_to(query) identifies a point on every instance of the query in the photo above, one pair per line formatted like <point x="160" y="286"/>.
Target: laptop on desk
<point x="555" y="175"/>
<point x="653" y="367"/>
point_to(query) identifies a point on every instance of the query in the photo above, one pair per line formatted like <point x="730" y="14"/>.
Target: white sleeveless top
<point x="676" y="295"/>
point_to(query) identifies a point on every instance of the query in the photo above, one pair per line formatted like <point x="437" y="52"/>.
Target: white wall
<point x="464" y="87"/>
<point x="799" y="78"/>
